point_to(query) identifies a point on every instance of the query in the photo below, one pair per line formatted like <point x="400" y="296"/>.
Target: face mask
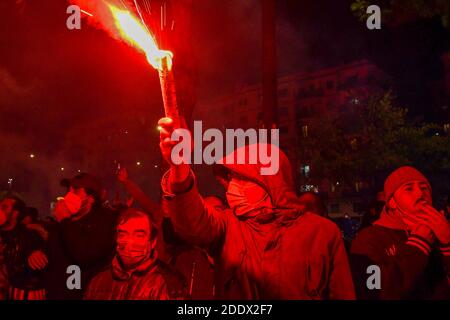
<point x="73" y="202"/>
<point x="132" y="254"/>
<point x="245" y="196"/>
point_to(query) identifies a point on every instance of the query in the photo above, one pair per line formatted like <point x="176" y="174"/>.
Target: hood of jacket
<point x="279" y="185"/>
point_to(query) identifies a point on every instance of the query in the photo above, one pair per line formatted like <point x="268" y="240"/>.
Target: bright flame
<point x="132" y="30"/>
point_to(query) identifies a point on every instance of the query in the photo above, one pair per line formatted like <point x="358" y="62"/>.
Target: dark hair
<point x="377" y="205"/>
<point x="317" y="206"/>
<point x="94" y="194"/>
<point x="19" y="206"/>
<point x="32" y="212"/>
<point x="221" y="171"/>
<point x="130" y="213"/>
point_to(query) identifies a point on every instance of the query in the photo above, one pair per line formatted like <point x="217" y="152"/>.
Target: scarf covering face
<point x="247" y="199"/>
<point x="73" y="202"/>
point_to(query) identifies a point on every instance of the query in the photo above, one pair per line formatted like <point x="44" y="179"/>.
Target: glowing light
<point x="32" y="155"/>
<point x="62" y="168"/>
<point x="138" y="163"/>
<point x="135" y="33"/>
<point x="159" y="128"/>
<point x="156" y="166"/>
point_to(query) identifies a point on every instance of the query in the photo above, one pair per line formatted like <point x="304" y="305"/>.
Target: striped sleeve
<point x="445" y="249"/>
<point x="420" y="243"/>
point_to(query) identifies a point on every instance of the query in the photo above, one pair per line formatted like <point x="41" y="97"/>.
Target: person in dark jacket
<point x="84" y="236"/>
<point x="409" y="243"/>
<point x="24" y="254"/>
<point x="136" y="273"/>
<point x="265" y="245"/>
<point x="4" y="285"/>
<point x="191" y="261"/>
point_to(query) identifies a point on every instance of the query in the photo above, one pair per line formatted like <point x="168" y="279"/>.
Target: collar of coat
<point x="390" y="220"/>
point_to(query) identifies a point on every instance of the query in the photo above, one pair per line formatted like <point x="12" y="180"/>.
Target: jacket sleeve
<point x="399" y="272"/>
<point x="445" y="251"/>
<point x="91" y="292"/>
<point x="341" y="283"/>
<point x="34" y="242"/>
<point x="192" y="219"/>
<point x="146" y="202"/>
<point x="161" y="293"/>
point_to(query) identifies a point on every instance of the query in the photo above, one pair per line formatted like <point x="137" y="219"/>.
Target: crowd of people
<point x="262" y="242"/>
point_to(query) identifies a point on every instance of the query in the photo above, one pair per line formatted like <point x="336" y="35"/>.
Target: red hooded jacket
<point x="293" y="255"/>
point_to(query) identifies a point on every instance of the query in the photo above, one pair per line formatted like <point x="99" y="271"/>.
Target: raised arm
<point x="136" y="192"/>
<point x="195" y="221"/>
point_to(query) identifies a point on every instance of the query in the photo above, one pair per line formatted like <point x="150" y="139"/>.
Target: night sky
<point x="53" y="79"/>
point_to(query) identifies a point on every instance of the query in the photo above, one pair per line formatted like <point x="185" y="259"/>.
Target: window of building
<point x="284" y="130"/>
<point x="357" y="207"/>
<point x="243" y="120"/>
<point x="358" y="186"/>
<point x="309" y="187"/>
<point x="283" y="112"/>
<point x="355" y="101"/>
<point x="282" y="93"/>
<point x="354" y="143"/>
<point x="334" y="186"/>
<point x="305" y="169"/>
<point x="334" y="208"/>
<point x="447" y="127"/>
<point x="260" y="115"/>
<point x="305" y="131"/>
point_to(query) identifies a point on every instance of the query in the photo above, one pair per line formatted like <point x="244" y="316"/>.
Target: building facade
<point x="303" y="100"/>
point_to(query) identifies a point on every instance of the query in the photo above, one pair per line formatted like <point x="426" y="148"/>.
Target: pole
<point x="269" y="68"/>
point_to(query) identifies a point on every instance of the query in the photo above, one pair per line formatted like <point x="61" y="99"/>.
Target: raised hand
<point x="436" y="221"/>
